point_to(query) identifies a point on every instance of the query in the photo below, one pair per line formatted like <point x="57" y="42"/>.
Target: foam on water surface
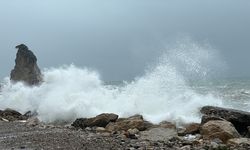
<point x="163" y="93"/>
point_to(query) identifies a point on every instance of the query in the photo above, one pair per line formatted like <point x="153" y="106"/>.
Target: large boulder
<point x="11" y="115"/>
<point x="222" y="130"/>
<point x="193" y="128"/>
<point x="206" y="118"/>
<point x="99" y="121"/>
<point x="124" y="124"/>
<point x="26" y="69"/>
<point x="240" y="119"/>
<point x="158" y="134"/>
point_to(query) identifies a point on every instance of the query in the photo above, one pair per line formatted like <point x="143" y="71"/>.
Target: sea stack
<point x="26" y="69"/>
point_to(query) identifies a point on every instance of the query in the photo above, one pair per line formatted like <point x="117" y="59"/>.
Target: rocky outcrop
<point x="222" y="130"/>
<point x="26" y="69"/>
<point x="129" y="123"/>
<point x="11" y="115"/>
<point x="99" y="121"/>
<point x="240" y="119"/>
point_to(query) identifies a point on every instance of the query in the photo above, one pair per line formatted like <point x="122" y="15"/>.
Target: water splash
<point x="161" y="94"/>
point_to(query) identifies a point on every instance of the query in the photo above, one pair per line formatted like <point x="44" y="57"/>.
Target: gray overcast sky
<point x="120" y="37"/>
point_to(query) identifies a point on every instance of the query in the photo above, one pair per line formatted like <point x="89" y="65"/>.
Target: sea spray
<point x="163" y="93"/>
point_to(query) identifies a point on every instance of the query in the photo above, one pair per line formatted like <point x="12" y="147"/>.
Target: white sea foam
<point x="161" y="94"/>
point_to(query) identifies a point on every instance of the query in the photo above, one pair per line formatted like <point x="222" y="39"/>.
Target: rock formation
<point x="26" y="69"/>
<point x="11" y="115"/>
<point x="99" y="121"/>
<point x="222" y="130"/>
<point x="240" y="119"/>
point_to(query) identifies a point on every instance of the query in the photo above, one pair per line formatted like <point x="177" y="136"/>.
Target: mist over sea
<point x="173" y="88"/>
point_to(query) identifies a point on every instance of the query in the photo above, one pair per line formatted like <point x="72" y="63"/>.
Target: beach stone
<point x="11" y="115"/>
<point x="99" y="121"/>
<point x="158" y="134"/>
<point x="100" y="129"/>
<point x="240" y="119"/>
<point x="214" y="145"/>
<point x="133" y="131"/>
<point x="206" y="118"/>
<point x="166" y="124"/>
<point x="34" y="121"/>
<point x="79" y="123"/>
<point x="192" y="128"/>
<point x="187" y="147"/>
<point x="26" y="69"/>
<point x="238" y="141"/>
<point x="128" y="123"/>
<point x="222" y="130"/>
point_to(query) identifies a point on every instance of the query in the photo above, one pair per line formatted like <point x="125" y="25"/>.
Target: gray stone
<point x="99" y="121"/>
<point x="129" y="123"/>
<point x="11" y="115"/>
<point x="158" y="134"/>
<point x="222" y="130"/>
<point x="34" y="121"/>
<point x="26" y="69"/>
<point x="238" y="141"/>
<point x="240" y="119"/>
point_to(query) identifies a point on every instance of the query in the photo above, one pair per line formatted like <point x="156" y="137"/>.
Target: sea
<point x="173" y="88"/>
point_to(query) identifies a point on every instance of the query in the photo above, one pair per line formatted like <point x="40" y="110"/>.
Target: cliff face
<point x="26" y="68"/>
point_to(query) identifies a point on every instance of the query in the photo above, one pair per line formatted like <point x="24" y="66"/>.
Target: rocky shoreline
<point x="219" y="129"/>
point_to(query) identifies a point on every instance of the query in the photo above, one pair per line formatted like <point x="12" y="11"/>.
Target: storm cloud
<point x="120" y="37"/>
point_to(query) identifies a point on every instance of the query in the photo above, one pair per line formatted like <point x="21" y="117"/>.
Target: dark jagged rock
<point x="79" y="123"/>
<point x="12" y="115"/>
<point x="206" y="118"/>
<point x="240" y="119"/>
<point x="99" y="121"/>
<point x="26" y="69"/>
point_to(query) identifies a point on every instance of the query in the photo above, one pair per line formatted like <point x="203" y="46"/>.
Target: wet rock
<point x="206" y="118"/>
<point x="130" y="136"/>
<point x="133" y="131"/>
<point x="214" y="145"/>
<point x="34" y="121"/>
<point x="187" y="147"/>
<point x="26" y="69"/>
<point x="128" y="123"/>
<point x="11" y="115"/>
<point x="239" y="141"/>
<point x="240" y="119"/>
<point x="222" y="130"/>
<point x="193" y="128"/>
<point x="79" y="123"/>
<point x="158" y="134"/>
<point x="30" y="114"/>
<point x="5" y="120"/>
<point x="166" y="124"/>
<point x="181" y="131"/>
<point x="100" y="129"/>
<point x="99" y="121"/>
